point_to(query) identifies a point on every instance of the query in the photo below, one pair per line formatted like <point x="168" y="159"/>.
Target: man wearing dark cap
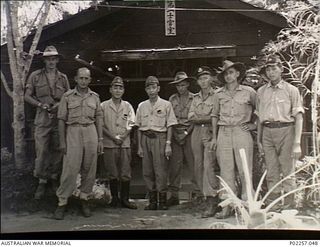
<point x="280" y="109"/>
<point x="155" y="118"/>
<point x="44" y="90"/>
<point x="181" y="141"/>
<point x="118" y="120"/>
<point x="204" y="158"/>
<point x="234" y="105"/>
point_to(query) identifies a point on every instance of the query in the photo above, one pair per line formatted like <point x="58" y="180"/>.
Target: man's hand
<point x="168" y="151"/>
<point x="63" y="147"/>
<point x="45" y="107"/>
<point x="213" y="144"/>
<point x="100" y="147"/>
<point x="296" y="151"/>
<point x="140" y="151"/>
<point x="118" y="140"/>
<point x="248" y="126"/>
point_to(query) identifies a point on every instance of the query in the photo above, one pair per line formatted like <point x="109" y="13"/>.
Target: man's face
<point x="117" y="91"/>
<point x="152" y="90"/>
<point x="182" y="87"/>
<point x="83" y="78"/>
<point x="273" y="72"/>
<point x="51" y="62"/>
<point x="204" y="81"/>
<point x="231" y="75"/>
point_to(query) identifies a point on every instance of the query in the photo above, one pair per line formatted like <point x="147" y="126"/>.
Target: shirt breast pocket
<point x="160" y="118"/>
<point x="284" y="106"/>
<point x="74" y="109"/>
<point x="42" y="90"/>
<point x="144" y="119"/>
<point x="242" y="106"/>
<point x="225" y="107"/>
<point x="91" y="109"/>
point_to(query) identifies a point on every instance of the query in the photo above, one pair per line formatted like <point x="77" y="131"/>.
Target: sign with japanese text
<point x="170" y="18"/>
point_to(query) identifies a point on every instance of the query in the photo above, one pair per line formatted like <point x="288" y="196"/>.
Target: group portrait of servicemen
<point x="203" y="131"/>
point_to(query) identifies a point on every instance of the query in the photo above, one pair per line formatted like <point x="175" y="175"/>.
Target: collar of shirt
<point x="177" y="96"/>
<point x="279" y="85"/>
<point x="76" y="92"/>
<point x="114" y="107"/>
<point x="225" y="89"/>
<point x="211" y="92"/>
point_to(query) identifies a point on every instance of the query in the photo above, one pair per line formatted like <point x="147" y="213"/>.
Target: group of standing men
<point x="204" y="130"/>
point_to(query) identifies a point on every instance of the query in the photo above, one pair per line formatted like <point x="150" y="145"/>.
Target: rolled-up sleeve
<point x="216" y="106"/>
<point x="296" y="101"/>
<point x="171" y="118"/>
<point x="63" y="109"/>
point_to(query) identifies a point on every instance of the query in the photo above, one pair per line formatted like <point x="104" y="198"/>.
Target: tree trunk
<point x="18" y="93"/>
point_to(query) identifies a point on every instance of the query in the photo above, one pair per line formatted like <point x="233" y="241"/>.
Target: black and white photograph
<point x="160" y="115"/>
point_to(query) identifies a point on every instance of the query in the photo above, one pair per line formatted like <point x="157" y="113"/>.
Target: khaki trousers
<point x="116" y="164"/>
<point x="154" y="163"/>
<point x="48" y="161"/>
<point x="277" y="146"/>
<point x="180" y="154"/>
<point x="204" y="160"/>
<point x="230" y="141"/>
<point x="81" y="157"/>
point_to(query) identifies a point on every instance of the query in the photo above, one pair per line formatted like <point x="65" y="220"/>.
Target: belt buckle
<point x="202" y="125"/>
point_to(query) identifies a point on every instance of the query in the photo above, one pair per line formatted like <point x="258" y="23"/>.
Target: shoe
<point x="153" y="201"/>
<point x="212" y="207"/>
<point x="124" y="196"/>
<point x="163" y="201"/>
<point x="115" y="201"/>
<point x="85" y="208"/>
<point x="41" y="189"/>
<point x="173" y="201"/>
<point x="224" y="213"/>
<point x="59" y="213"/>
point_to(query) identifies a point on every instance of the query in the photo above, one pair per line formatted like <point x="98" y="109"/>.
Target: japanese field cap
<point x="271" y="60"/>
<point x="50" y="51"/>
<point x="204" y="70"/>
<point x="117" y="81"/>
<point x="227" y="64"/>
<point x="182" y="76"/>
<point x="151" y="80"/>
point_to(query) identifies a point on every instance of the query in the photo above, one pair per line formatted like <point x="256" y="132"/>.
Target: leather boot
<point x="114" y="185"/>
<point x="173" y="200"/>
<point x="212" y="207"/>
<point x="59" y="213"/>
<point x="85" y="208"/>
<point x="41" y="189"/>
<point x="163" y="201"/>
<point x="124" y="195"/>
<point x="153" y="201"/>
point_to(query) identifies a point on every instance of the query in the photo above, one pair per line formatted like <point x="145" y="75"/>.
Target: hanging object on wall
<point x="170" y="18"/>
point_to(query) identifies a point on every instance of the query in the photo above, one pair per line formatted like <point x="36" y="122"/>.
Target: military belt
<point x="277" y="124"/>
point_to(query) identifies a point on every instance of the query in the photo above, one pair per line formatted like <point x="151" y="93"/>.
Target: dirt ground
<point x="103" y="218"/>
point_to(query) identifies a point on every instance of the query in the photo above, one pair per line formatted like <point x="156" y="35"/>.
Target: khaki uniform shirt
<point x="278" y="103"/>
<point x="200" y="106"/>
<point x="158" y="117"/>
<point x="234" y="110"/>
<point x="181" y="110"/>
<point x="117" y="121"/>
<point x="46" y="93"/>
<point x="77" y="109"/>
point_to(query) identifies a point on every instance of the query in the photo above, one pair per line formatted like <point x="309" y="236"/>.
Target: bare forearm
<point x="214" y="122"/>
<point x="99" y="127"/>
<point x="259" y="131"/>
<point x="139" y="138"/>
<point x="298" y="128"/>
<point x="31" y="100"/>
<point x="169" y="133"/>
<point x="62" y="131"/>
